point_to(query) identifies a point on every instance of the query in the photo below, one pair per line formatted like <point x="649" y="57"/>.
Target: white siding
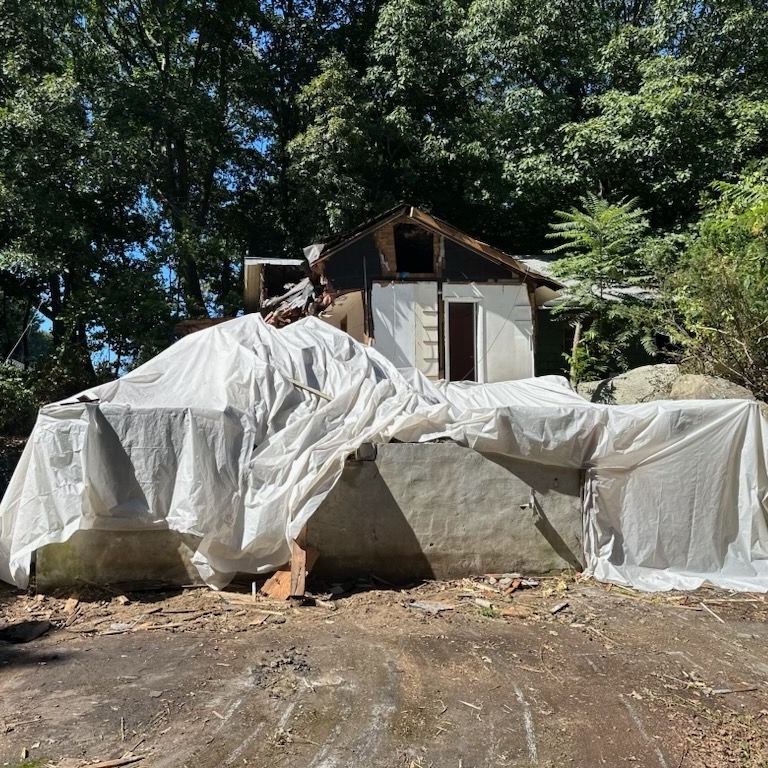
<point x="393" y="322"/>
<point x="504" y="328"/>
<point x="405" y="324"/>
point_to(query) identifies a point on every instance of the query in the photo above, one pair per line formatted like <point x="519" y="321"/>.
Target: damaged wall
<point x="505" y="332"/>
<point x="406" y="325"/>
<point x="347" y="313"/>
<point x="353" y="265"/>
<point x="462" y="264"/>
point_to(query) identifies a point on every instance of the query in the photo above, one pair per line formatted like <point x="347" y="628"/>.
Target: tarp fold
<point x="213" y="437"/>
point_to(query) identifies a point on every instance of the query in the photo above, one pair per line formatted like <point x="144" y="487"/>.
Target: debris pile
<point x="299" y="300"/>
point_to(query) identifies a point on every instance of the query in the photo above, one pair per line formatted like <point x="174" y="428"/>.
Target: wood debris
<point x="278" y="585"/>
<point x="120" y="761"/>
<point x="711" y="612"/>
<point x="433" y="609"/>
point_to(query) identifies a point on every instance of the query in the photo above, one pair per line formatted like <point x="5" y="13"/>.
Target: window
<point x="414" y="249"/>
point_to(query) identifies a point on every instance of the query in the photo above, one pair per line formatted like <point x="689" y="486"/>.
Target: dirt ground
<point x="453" y="674"/>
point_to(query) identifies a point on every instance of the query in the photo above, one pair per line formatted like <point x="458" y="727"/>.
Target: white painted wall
<point x="406" y="326"/>
<point x="504" y="328"/>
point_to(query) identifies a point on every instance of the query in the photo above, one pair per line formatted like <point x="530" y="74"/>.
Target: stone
<point x="692" y="386"/>
<point x="640" y="385"/>
<point x="662" y="382"/>
<point x="587" y="388"/>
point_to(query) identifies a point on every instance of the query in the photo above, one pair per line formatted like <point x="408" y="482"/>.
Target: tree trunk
<point x="574" y="349"/>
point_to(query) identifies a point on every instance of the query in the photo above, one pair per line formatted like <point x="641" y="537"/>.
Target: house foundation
<point x="400" y="511"/>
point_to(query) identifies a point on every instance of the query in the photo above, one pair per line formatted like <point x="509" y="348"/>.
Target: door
<point x="462" y="341"/>
<point x="405" y="324"/>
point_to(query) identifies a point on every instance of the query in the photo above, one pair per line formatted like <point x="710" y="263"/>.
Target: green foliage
<point x="21" y="335"/>
<point x="406" y="124"/>
<point x="601" y="240"/>
<point x="608" y="281"/>
<point x="332" y="157"/>
<point x="721" y="289"/>
<point x="145" y="146"/>
<point x="18" y="403"/>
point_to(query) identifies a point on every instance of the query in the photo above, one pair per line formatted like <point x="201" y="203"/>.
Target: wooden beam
<point x="303" y="558"/>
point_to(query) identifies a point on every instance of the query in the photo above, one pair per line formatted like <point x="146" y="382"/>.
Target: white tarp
<point x="213" y="437"/>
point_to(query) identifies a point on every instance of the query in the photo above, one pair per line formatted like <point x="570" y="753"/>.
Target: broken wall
<point x="505" y="333"/>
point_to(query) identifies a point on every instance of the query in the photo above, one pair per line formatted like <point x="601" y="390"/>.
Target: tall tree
<point x="695" y="108"/>
<point x="405" y="125"/>
<point x="68" y="200"/>
<point x="603" y="268"/>
<point x="182" y="82"/>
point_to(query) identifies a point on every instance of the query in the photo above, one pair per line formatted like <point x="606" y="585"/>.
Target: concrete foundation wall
<point x="415" y="510"/>
<point x="441" y="510"/>
<point x="114" y="557"/>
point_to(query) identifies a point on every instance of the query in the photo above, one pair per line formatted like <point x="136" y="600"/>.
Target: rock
<point x="587" y="388"/>
<point x="692" y="386"/>
<point x="24" y="631"/>
<point x="649" y="382"/>
<point x="662" y="382"/>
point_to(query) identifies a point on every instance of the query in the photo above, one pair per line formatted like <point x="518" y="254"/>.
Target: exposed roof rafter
<point x="321" y="252"/>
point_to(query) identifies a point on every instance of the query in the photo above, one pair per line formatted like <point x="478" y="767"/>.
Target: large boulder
<point x="662" y="382"/>
<point x="649" y="382"/>
<point x="693" y="386"/>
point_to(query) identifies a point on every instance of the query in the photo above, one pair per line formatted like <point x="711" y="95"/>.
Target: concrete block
<point x="113" y="557"/>
<point x="402" y="511"/>
<point x="440" y="510"/>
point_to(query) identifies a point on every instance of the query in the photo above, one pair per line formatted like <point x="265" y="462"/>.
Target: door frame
<point x="479" y="340"/>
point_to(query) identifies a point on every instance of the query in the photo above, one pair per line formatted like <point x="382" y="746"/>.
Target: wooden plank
<point x="298" y="570"/>
<point x="303" y="558"/>
<point x="278" y="585"/>
<point x="291" y="579"/>
<point x="115" y="763"/>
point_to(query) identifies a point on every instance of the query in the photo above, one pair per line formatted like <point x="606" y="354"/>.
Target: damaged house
<point x="425" y="294"/>
<point x="244" y="447"/>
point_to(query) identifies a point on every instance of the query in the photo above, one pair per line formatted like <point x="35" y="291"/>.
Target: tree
<point x="21" y="336"/>
<point x="406" y="124"/>
<point x="690" y="106"/>
<point x="65" y="199"/>
<point x="180" y="84"/>
<point x="607" y="281"/>
<point x="720" y="290"/>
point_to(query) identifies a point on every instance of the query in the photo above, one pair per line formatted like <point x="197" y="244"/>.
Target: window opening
<point x="414" y="249"/>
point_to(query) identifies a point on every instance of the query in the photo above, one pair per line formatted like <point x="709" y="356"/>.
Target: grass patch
<point x="489" y="613"/>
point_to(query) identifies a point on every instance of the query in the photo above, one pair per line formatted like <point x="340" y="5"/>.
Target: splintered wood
<point x="290" y="581"/>
<point x="278" y="585"/>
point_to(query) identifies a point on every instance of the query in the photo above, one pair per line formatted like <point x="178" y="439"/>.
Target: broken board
<point x="290" y="580"/>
